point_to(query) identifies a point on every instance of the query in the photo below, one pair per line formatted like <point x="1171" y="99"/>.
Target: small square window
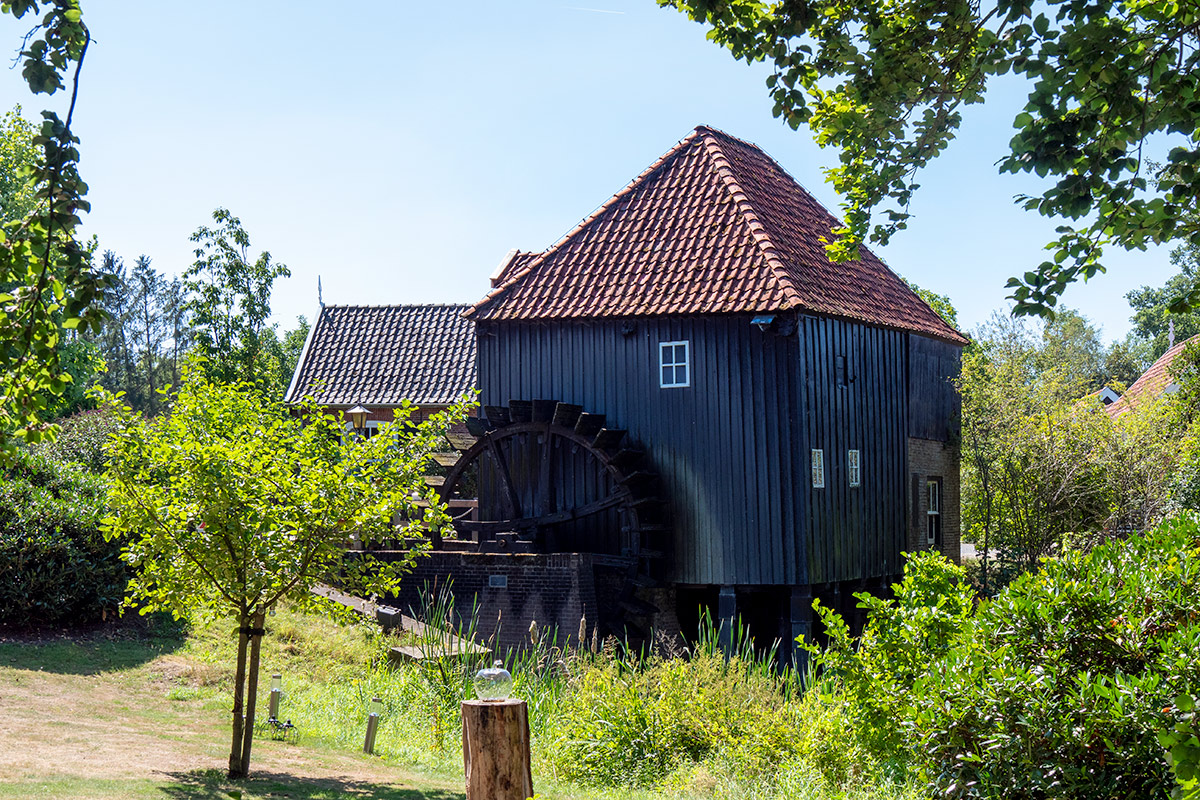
<point x="852" y="468"/>
<point x="673" y="365"/>
<point x="818" y="469"/>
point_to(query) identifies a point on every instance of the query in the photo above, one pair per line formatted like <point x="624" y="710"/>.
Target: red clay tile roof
<point x="383" y="355"/>
<point x="514" y="262"/>
<point x="714" y="226"/>
<point x="1152" y="383"/>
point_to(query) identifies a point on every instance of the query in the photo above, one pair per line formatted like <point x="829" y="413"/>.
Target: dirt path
<point x="122" y="724"/>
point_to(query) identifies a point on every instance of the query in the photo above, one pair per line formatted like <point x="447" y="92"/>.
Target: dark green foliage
<point x="1061" y="683"/>
<point x="82" y="438"/>
<point x="1058" y="687"/>
<point x="56" y="564"/>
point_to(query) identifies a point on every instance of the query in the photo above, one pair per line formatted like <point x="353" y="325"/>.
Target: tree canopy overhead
<point x="884" y="83"/>
<point x="47" y="283"/>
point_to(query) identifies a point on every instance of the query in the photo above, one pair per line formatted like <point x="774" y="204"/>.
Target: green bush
<point x="1074" y="682"/>
<point x="633" y="724"/>
<point x="879" y="675"/>
<point x="56" y="565"/>
<point x="1061" y="685"/>
<point x="81" y="438"/>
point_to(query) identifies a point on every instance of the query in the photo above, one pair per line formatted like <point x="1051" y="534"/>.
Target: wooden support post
<point x="496" y="750"/>
<point x="800" y="610"/>
<point x="726" y="618"/>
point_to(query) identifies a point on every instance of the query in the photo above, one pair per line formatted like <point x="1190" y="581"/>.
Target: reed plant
<point x="663" y="722"/>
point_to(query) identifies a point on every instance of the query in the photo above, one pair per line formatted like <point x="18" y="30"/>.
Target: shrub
<point x="56" y="565"/>
<point x="879" y="674"/>
<point x="1062" y="683"/>
<point x="629" y="723"/>
<point x="1074" y="682"/>
<point x="81" y="438"/>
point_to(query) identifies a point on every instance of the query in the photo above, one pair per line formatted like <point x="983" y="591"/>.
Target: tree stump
<point x="496" y="750"/>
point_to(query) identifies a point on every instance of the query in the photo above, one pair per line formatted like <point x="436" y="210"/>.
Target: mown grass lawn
<point x="143" y="717"/>
<point x="114" y="714"/>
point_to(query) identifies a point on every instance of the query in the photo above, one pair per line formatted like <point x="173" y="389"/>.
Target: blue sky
<point x="399" y="150"/>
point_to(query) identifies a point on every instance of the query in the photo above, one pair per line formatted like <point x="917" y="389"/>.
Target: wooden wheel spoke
<point x="555" y="479"/>
<point x="594" y="507"/>
<point x="512" y="501"/>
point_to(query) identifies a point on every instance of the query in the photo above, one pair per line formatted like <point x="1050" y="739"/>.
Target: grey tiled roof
<point x="382" y="355"/>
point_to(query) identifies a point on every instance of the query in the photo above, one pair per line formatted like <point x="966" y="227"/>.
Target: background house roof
<point x="1153" y="382"/>
<point x="714" y="226"/>
<point x="382" y="355"/>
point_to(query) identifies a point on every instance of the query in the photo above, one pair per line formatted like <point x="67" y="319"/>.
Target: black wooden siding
<point x="733" y="448"/>
<point x="935" y="408"/>
<point x="855" y="532"/>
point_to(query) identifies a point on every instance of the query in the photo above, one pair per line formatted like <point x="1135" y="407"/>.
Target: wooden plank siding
<point x="733" y="448"/>
<point x="935" y="408"/>
<point x="855" y="532"/>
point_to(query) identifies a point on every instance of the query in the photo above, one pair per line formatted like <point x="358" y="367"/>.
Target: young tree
<point x="281" y="355"/>
<point x="1044" y="467"/>
<point x="230" y="299"/>
<point x="1072" y="346"/>
<point x="884" y="84"/>
<point x="232" y="502"/>
<point x="46" y="273"/>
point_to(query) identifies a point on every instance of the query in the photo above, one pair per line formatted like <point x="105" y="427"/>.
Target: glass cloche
<point x="493" y="683"/>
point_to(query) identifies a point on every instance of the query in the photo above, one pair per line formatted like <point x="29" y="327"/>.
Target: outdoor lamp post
<point x="276" y="694"/>
<point x="358" y="418"/>
<point x="375" y="708"/>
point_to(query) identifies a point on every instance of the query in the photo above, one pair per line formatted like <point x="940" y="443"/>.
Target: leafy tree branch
<point x="884" y="83"/>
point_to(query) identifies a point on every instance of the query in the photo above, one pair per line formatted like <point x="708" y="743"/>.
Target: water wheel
<point x="550" y="478"/>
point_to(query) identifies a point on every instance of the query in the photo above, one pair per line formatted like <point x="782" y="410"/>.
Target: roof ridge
<point x="758" y="230"/>
<point x="520" y="274"/>
<point x="396" y="305"/>
<point x="776" y="265"/>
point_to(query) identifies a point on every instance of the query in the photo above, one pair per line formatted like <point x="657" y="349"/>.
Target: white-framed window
<point x="673" y="367"/>
<point x="933" y="512"/>
<point x="370" y="428"/>
<point x="818" y="469"/>
<point x="853" y="468"/>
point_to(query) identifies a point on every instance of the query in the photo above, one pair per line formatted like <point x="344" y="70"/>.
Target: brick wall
<point x="553" y="589"/>
<point x="928" y="459"/>
<point x="382" y="414"/>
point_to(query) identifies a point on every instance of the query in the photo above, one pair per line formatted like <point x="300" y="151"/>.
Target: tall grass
<point x="677" y="722"/>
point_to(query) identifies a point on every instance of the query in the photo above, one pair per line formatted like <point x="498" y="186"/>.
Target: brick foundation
<point x="932" y="459"/>
<point x="555" y="590"/>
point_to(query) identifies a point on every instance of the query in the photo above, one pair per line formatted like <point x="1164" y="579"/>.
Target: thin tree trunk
<point x="236" y="768"/>
<point x="252" y="690"/>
